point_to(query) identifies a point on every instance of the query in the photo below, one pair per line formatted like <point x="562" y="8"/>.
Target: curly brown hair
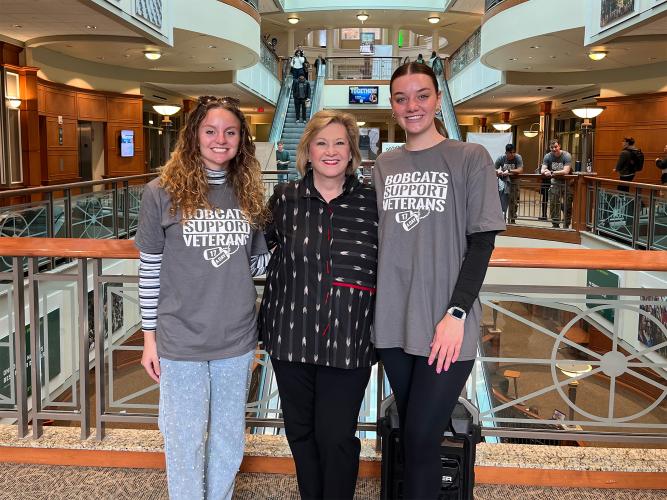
<point x="184" y="175"/>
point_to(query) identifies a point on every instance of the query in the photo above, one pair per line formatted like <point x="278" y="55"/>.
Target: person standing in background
<point x="282" y="161"/>
<point x="556" y="164"/>
<point x="508" y="165"/>
<point x="661" y="163"/>
<point x="301" y="94"/>
<point x="628" y="163"/>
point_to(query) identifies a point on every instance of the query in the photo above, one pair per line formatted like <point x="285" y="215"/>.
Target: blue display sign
<point x="363" y="94"/>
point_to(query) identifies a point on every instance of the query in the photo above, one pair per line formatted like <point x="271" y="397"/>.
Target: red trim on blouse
<point x="358" y="287"/>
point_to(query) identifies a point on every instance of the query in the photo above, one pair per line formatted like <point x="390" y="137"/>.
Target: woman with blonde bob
<point x="200" y="245"/>
<point x="317" y="309"/>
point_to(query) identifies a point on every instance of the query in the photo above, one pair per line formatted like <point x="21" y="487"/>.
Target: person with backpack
<point x="661" y="163"/>
<point x="630" y="161"/>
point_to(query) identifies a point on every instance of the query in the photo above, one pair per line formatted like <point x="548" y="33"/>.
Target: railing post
<point x="579" y="204"/>
<point x="68" y="212"/>
<point x="635" y="217"/>
<point x="84" y="386"/>
<point x="126" y="208"/>
<point x="114" y="208"/>
<point x="380" y="396"/>
<point x="650" y="233"/>
<point x="35" y="359"/>
<point x="18" y="296"/>
<point x="100" y="372"/>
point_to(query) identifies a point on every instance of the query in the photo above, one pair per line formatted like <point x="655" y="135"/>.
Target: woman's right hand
<point x="149" y="358"/>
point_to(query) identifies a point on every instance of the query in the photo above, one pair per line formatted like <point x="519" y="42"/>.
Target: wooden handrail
<point x="542" y="258"/>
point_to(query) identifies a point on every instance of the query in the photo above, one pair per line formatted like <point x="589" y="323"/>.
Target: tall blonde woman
<point x="317" y="309"/>
<point x="200" y="244"/>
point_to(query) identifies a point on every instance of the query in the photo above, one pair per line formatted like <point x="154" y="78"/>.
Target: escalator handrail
<point x="282" y="104"/>
<point x="447" y="106"/>
<point x="316" y="102"/>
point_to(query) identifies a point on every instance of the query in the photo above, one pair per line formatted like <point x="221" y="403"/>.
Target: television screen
<point x="363" y="94"/>
<point x="127" y="143"/>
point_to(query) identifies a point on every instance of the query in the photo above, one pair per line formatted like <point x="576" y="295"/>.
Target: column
<point x="435" y="41"/>
<point x="309" y="39"/>
<point x="290" y="42"/>
<point x="545" y="129"/>
<point x="391" y="131"/>
<point x="412" y="39"/>
<point x="393" y="39"/>
<point x="330" y="42"/>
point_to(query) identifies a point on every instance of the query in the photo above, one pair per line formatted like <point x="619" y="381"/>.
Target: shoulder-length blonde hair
<point x="184" y="175"/>
<point x="320" y="120"/>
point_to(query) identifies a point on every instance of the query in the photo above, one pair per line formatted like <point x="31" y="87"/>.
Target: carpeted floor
<point x="43" y="482"/>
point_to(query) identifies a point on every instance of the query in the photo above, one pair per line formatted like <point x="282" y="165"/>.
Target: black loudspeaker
<point x="457" y="453"/>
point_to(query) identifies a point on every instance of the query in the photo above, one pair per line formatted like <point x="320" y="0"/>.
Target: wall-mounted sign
<point x="363" y="94"/>
<point x="367" y="45"/>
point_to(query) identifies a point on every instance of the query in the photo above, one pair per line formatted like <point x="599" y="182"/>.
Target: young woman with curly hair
<point x="200" y="244"/>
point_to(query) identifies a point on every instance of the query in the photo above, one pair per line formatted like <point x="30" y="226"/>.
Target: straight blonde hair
<point x="320" y="120"/>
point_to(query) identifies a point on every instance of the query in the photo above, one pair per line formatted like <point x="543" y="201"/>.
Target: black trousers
<point x="300" y="104"/>
<point x="425" y="401"/>
<point x="627" y="178"/>
<point x="321" y="407"/>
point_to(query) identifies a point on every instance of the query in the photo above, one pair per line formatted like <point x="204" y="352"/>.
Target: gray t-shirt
<point x="206" y="308"/>
<point x="556" y="164"/>
<point x="506" y="165"/>
<point x="428" y="201"/>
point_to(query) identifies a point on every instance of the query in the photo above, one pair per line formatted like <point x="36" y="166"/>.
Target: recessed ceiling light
<point x="18" y="26"/>
<point x="434" y="19"/>
<point x="212" y="47"/>
<point x="514" y="58"/>
<point x="552" y="57"/>
<point x="91" y="27"/>
<point x="597" y="55"/>
<point x="152" y="55"/>
<point x="211" y="67"/>
<point x="100" y="58"/>
<point x="293" y="20"/>
<point x="362" y="17"/>
<point x="534" y="46"/>
<point x="226" y="58"/>
<point x="549" y="88"/>
<point x="530" y="57"/>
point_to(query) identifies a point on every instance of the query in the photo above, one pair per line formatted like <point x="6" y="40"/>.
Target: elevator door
<point x="85" y="132"/>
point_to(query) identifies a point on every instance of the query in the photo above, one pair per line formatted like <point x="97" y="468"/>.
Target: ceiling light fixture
<point x="91" y="27"/>
<point x="434" y="19"/>
<point x="588" y="112"/>
<point x="531" y="132"/>
<point x="502" y="127"/>
<point x="361" y="124"/>
<point x="363" y="17"/>
<point x="166" y="109"/>
<point x="597" y="55"/>
<point x="152" y="55"/>
<point x="14" y="102"/>
<point x="293" y="20"/>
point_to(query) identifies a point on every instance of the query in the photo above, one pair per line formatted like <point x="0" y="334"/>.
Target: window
<point x="355" y="33"/>
<point x="10" y="131"/>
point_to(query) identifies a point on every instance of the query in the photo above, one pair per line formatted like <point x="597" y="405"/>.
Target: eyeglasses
<point x="232" y="101"/>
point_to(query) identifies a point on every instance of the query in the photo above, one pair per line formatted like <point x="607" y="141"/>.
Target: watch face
<point x="458" y="313"/>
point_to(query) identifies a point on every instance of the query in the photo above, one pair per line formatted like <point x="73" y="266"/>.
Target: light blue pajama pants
<point x="202" y="419"/>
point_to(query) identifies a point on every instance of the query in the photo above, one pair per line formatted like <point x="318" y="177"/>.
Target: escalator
<point x="284" y="127"/>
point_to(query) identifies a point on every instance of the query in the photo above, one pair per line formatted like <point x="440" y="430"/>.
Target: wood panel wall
<point x="642" y="116"/>
<point x="60" y="162"/>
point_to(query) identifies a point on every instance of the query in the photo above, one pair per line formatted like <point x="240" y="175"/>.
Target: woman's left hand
<point x="447" y="341"/>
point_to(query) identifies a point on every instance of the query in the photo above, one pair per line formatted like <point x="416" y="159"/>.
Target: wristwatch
<point x="457" y="313"/>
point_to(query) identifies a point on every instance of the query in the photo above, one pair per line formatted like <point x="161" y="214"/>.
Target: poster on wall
<point x="363" y="94"/>
<point x="649" y="331"/>
<point x="51" y="343"/>
<point x="110" y="292"/>
<point x="493" y="142"/>
<point x="368" y="142"/>
<point x="599" y="278"/>
<point x="367" y="44"/>
<point x="613" y="10"/>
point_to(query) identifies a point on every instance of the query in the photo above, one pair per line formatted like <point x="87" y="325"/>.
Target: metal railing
<point x="466" y="53"/>
<point x="93" y="209"/>
<point x="490" y="4"/>
<point x="542" y="348"/>
<point x="268" y="57"/>
<point x="361" y="68"/>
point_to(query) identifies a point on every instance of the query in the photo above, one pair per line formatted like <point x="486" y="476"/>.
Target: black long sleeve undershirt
<point x="473" y="269"/>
